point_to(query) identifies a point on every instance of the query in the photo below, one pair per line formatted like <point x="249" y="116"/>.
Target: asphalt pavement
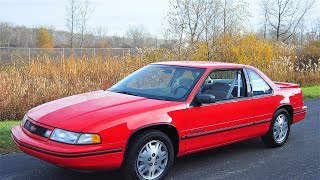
<point x="299" y="158"/>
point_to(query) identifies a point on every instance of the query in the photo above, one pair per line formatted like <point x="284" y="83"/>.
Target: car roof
<point x="202" y="64"/>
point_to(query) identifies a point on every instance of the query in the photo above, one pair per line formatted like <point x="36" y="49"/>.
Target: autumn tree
<point x="194" y="22"/>
<point x="44" y="39"/>
<point x="188" y="20"/>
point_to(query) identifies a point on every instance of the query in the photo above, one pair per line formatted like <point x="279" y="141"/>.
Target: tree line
<point x="187" y="24"/>
<point x="47" y="37"/>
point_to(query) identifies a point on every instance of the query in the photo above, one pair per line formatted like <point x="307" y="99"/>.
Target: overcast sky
<point x="116" y="15"/>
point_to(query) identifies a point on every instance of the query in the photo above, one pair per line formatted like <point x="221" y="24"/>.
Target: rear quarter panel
<point x="293" y="97"/>
<point x="284" y="94"/>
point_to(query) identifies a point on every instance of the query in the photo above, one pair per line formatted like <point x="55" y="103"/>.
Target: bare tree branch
<point x="284" y="16"/>
<point x="72" y="19"/>
<point x="86" y="10"/>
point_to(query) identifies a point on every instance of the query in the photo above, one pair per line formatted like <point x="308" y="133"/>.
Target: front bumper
<point x="80" y="157"/>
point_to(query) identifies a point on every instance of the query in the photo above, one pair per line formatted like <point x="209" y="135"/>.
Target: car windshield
<point x="162" y="82"/>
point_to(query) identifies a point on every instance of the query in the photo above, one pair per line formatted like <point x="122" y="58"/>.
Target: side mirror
<point x="205" y="98"/>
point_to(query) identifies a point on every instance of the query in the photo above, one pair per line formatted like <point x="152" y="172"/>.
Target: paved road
<point x="299" y="158"/>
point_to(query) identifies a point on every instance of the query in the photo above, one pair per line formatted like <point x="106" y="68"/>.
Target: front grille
<point x="35" y="129"/>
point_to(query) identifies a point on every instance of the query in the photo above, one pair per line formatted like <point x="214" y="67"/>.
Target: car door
<point x="228" y="119"/>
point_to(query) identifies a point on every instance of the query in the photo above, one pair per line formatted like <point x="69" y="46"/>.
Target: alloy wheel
<point x="280" y="128"/>
<point x="152" y="159"/>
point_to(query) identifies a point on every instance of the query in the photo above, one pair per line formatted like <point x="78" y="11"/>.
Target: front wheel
<point x="279" y="129"/>
<point x="149" y="156"/>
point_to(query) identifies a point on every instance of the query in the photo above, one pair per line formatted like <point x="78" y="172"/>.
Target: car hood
<point x="71" y="113"/>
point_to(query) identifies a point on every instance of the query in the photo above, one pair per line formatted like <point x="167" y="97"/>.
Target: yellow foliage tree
<point x="44" y="39"/>
<point x="247" y="49"/>
<point x="243" y="49"/>
<point x="201" y="52"/>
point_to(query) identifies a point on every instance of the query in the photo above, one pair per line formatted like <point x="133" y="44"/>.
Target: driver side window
<point x="224" y="84"/>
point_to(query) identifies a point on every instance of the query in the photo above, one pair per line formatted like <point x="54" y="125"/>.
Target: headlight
<point x="24" y="120"/>
<point x="74" y="138"/>
<point x="64" y="136"/>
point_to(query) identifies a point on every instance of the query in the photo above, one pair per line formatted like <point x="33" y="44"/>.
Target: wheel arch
<point x="168" y="129"/>
<point x="287" y="107"/>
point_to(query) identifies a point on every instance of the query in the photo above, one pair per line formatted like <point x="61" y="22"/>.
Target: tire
<point x="279" y="129"/>
<point x="157" y="160"/>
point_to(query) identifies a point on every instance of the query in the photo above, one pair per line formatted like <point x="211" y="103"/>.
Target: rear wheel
<point x="149" y="156"/>
<point x="279" y="129"/>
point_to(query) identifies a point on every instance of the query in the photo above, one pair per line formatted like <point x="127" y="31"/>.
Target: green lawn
<point x="6" y="143"/>
<point x="311" y="92"/>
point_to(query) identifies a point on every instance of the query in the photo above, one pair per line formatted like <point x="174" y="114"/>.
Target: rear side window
<point x="258" y="84"/>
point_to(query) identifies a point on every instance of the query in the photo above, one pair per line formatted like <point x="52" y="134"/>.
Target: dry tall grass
<point x="25" y="86"/>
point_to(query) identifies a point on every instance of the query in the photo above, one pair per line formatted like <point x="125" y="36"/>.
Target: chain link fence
<point x="12" y="55"/>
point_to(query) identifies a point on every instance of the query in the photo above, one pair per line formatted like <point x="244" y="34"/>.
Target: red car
<point x="162" y="111"/>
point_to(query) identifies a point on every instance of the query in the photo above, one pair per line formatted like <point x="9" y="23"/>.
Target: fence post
<point x="10" y="55"/>
<point x="94" y="52"/>
<point x="29" y="56"/>
<point x="62" y="54"/>
<point x="122" y="54"/>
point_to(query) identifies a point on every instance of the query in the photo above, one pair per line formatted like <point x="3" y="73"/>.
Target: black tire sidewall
<point x="269" y="139"/>
<point x="279" y="112"/>
<point x="130" y="168"/>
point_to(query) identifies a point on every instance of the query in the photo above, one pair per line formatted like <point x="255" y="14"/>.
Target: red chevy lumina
<point x="159" y="112"/>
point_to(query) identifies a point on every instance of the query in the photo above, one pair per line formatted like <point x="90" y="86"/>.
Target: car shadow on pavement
<point x="188" y="161"/>
<point x="70" y="174"/>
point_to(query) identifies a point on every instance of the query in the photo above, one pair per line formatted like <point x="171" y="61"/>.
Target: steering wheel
<point x="183" y="87"/>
